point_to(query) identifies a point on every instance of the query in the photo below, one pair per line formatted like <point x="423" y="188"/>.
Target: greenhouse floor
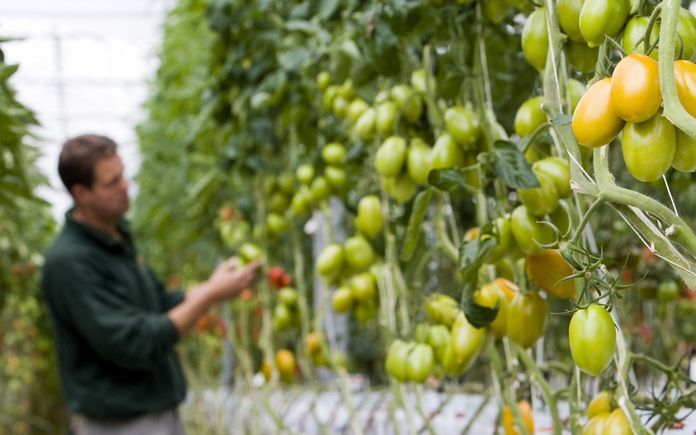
<point x="302" y="411"/>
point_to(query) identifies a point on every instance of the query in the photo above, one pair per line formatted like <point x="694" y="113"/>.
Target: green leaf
<point x="327" y="8"/>
<point x="512" y="167"/>
<point x="474" y="253"/>
<point x="450" y="179"/>
<point x="477" y="315"/>
<point x="6" y="71"/>
<point x="420" y="207"/>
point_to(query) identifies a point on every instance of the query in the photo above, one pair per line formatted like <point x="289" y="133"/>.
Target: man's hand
<point x="229" y="279"/>
<point x="227" y="282"/>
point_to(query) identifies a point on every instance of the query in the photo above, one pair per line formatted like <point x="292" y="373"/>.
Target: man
<point x="115" y="324"/>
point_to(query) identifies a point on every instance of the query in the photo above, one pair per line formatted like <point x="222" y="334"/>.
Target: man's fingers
<point x="253" y="266"/>
<point x="232" y="263"/>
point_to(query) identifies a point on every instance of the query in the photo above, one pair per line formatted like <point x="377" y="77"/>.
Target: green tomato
<point x="527" y="231"/>
<point x="336" y="177"/>
<point x="330" y="260"/>
<point x="439" y="339"/>
<point x="686" y="29"/>
<point x="364" y="313"/>
<point x="541" y="200"/>
<point x="418" y="80"/>
<point x="581" y="56"/>
<point x="301" y="203"/>
<point x="323" y="80"/>
<point x="634" y="31"/>
<point x="278" y="202"/>
<point x="305" y="173"/>
<point x="330" y="94"/>
<point x="346" y="90"/>
<point x="529" y="116"/>
<point x="249" y="252"/>
<point x="462" y="125"/>
<point x="342" y="300"/>
<point x="385" y="118"/>
<point x="601" y="18"/>
<point x="340" y="105"/>
<point x="419" y="161"/>
<point x="559" y="171"/>
<point x="569" y="18"/>
<point x="358" y="253"/>
<point x="421" y="334"/>
<point x="334" y="153"/>
<point x="495" y="11"/>
<point x="288" y="296"/>
<point x="282" y="317"/>
<point x="503" y="230"/>
<point x="355" y="109"/>
<point x="648" y="147"/>
<point x="575" y="91"/>
<point x="397" y="356"/>
<point x="535" y="39"/>
<point x="369" y="219"/>
<point x="446" y="153"/>
<point x="276" y="224"/>
<point x="365" y="126"/>
<point x="286" y="183"/>
<point x="419" y="363"/>
<point x="526" y="319"/>
<point x="617" y="424"/>
<point x="466" y="341"/>
<point x="442" y="309"/>
<point x="320" y="189"/>
<point x="592" y="336"/>
<point x="401" y="188"/>
<point x="408" y="102"/>
<point x="363" y="287"/>
<point x="668" y="290"/>
<point x="391" y="156"/>
<point x="685" y="152"/>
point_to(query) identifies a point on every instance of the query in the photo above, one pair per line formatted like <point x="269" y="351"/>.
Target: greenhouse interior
<point x="348" y="217"/>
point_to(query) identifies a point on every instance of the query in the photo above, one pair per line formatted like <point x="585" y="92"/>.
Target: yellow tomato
<point x="635" y="88"/>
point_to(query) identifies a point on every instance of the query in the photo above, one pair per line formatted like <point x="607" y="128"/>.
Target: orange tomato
<point x="594" y="121"/>
<point x="527" y="417"/>
<point x="685" y="78"/>
<point x="547" y="268"/>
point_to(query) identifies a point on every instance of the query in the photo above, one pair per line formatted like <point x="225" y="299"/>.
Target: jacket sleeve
<point x="170" y="299"/>
<point x="117" y="329"/>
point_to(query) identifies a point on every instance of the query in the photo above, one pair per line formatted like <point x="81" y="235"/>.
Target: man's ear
<point x="78" y="193"/>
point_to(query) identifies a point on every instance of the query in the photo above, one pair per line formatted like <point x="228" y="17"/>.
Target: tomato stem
<point x="585" y="219"/>
<point x="546" y="391"/>
<point x="674" y="111"/>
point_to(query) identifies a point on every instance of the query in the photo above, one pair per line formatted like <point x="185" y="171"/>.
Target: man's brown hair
<point x="80" y="155"/>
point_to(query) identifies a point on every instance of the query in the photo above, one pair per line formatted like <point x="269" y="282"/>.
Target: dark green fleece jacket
<point x="114" y="339"/>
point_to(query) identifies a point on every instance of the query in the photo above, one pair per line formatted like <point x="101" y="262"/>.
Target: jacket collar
<point x="100" y="236"/>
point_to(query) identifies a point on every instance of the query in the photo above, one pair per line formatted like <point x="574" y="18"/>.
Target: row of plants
<point x="29" y="389"/>
<point x="498" y="239"/>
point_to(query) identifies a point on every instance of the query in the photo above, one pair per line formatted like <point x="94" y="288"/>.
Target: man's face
<point x="108" y="196"/>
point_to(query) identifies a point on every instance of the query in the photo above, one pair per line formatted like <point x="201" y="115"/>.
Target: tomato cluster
<point x="630" y="101"/>
<point x="349" y="266"/>
<point x="604" y="418"/>
<point x="446" y="347"/>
